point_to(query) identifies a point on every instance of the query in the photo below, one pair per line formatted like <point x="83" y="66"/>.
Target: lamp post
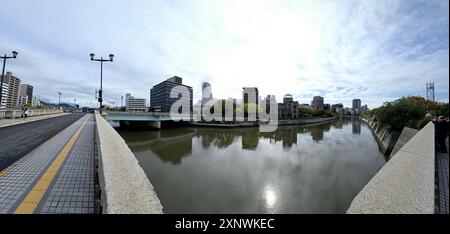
<point x="101" y="60"/>
<point x="3" y="72"/>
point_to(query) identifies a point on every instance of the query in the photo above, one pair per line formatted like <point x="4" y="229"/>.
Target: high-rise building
<point x="356" y="105"/>
<point x="317" y="103"/>
<point x="135" y="104"/>
<point x="160" y="94"/>
<point x="206" y="91"/>
<point x="26" y="90"/>
<point x="250" y="95"/>
<point x="206" y="96"/>
<point x="12" y="98"/>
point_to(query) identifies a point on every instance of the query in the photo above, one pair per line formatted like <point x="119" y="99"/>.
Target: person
<point x="26" y="112"/>
<point x="441" y="132"/>
<point x="22" y="112"/>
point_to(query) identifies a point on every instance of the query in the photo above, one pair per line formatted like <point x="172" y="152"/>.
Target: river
<point x="296" y="169"/>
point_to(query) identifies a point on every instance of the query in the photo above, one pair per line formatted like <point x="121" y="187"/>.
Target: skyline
<point x="373" y="50"/>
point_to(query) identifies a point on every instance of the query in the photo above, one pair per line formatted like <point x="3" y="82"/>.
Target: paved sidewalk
<point x="56" y="177"/>
<point x="11" y="122"/>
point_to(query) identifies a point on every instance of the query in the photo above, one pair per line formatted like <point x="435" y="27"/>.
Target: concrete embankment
<point x="305" y="121"/>
<point x="386" y="139"/>
<point x="405" y="184"/>
<point x="254" y="124"/>
<point x="124" y="186"/>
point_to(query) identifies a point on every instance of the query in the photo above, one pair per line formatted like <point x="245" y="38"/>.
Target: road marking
<point x="33" y="198"/>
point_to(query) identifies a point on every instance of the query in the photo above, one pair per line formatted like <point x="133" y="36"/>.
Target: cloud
<point x="373" y="50"/>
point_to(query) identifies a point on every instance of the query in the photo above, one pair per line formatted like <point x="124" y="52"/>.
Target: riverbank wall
<point x="124" y="186"/>
<point x="386" y="139"/>
<point x="282" y="122"/>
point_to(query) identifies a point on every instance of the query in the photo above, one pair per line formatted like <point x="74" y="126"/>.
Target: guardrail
<point x="15" y="114"/>
<point x="124" y="186"/>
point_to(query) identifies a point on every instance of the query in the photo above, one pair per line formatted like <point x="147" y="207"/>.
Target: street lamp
<point x="3" y="72"/>
<point x="101" y="60"/>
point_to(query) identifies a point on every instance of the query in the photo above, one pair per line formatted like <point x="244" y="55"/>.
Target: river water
<point x="297" y="169"/>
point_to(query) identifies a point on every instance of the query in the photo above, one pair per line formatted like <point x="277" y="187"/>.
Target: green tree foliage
<point x="408" y="112"/>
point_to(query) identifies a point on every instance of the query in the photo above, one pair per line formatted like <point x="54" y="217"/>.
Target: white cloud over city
<point x="374" y="50"/>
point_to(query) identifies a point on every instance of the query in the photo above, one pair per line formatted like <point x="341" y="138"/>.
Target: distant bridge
<point x="152" y="119"/>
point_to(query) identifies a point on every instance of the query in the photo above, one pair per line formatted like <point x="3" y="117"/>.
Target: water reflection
<point x="296" y="169"/>
<point x="169" y="147"/>
<point x="356" y="126"/>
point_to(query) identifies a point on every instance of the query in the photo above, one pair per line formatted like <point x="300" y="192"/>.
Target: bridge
<point x="152" y="119"/>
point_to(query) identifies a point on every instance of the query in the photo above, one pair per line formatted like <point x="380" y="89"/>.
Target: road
<point x="18" y="140"/>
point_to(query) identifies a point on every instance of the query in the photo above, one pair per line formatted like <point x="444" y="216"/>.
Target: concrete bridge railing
<point x="405" y="184"/>
<point x="14" y="114"/>
<point x="124" y="186"/>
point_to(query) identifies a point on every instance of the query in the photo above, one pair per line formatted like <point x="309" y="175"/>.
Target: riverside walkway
<point x="56" y="177"/>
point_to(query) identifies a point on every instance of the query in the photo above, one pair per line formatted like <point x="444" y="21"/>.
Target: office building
<point x="135" y="104"/>
<point x="26" y="90"/>
<point x="160" y="94"/>
<point x="317" y="103"/>
<point x="356" y="106"/>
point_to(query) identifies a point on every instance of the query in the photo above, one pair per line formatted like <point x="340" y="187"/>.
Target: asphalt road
<point x="18" y="140"/>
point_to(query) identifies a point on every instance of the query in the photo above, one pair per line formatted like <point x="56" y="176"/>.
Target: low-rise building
<point x="288" y="109"/>
<point x="135" y="104"/>
<point x="35" y="102"/>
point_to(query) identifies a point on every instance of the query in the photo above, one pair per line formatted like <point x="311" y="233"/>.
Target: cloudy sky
<point x="374" y="50"/>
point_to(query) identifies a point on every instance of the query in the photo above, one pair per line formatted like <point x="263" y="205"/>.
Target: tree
<point x="405" y="112"/>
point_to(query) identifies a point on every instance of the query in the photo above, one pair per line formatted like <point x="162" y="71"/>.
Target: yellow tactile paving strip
<point x="2" y="173"/>
<point x="33" y="198"/>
